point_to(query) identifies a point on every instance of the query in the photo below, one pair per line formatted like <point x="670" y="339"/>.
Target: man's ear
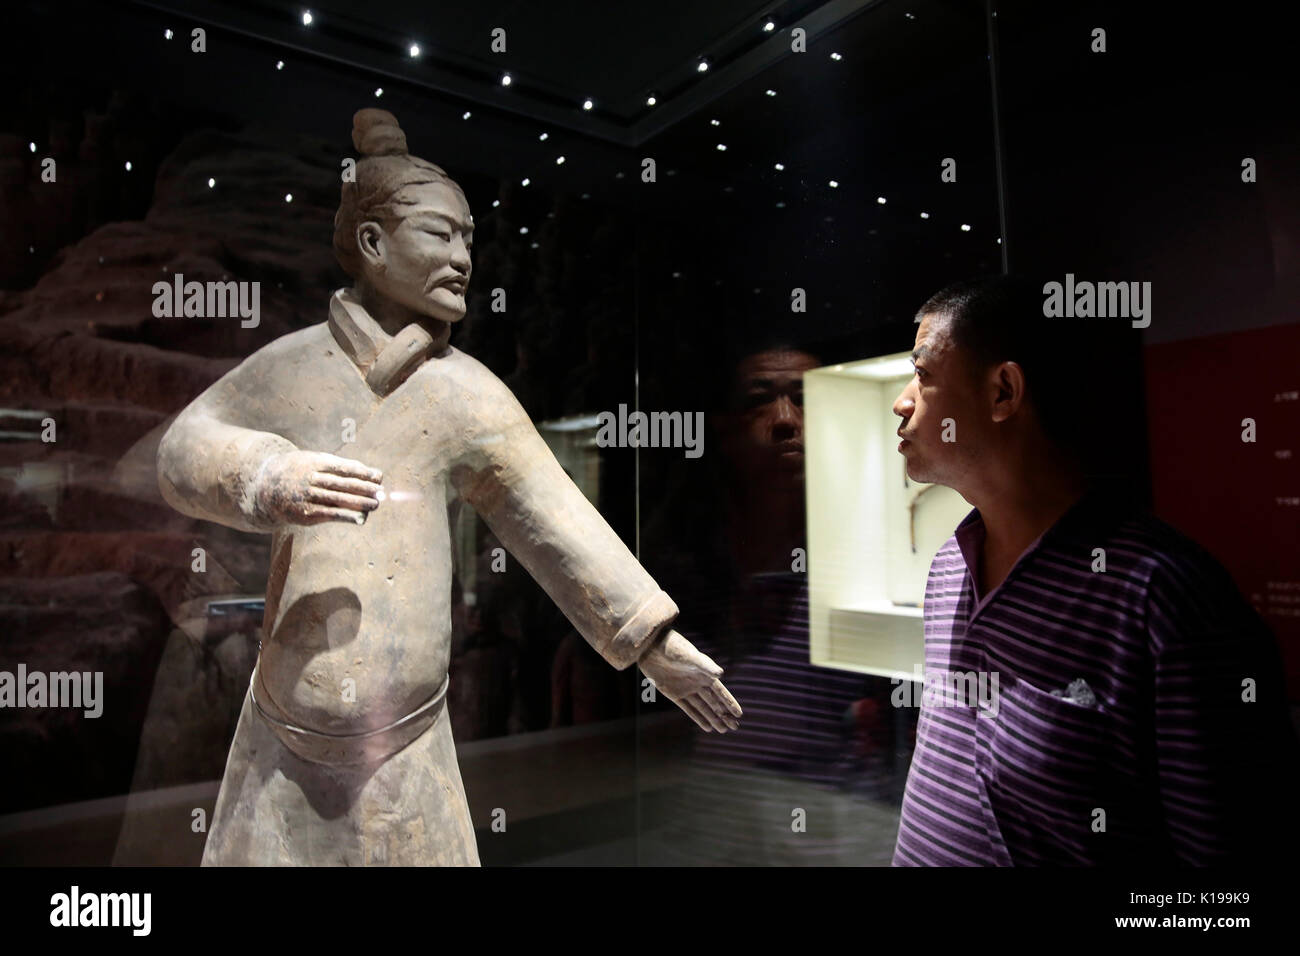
<point x="1007" y="382"/>
<point x="370" y="244"/>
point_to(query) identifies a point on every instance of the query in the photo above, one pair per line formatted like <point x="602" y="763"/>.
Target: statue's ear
<point x="371" y="243"/>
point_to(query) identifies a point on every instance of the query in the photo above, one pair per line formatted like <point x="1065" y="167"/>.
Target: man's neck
<point x="1021" y="507"/>
<point x="764" y="526"/>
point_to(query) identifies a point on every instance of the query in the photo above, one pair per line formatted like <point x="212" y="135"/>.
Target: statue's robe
<point x="357" y="631"/>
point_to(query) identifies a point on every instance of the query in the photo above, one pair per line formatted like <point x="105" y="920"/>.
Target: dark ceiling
<point x="558" y="53"/>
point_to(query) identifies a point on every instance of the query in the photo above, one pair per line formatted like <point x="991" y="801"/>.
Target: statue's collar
<point x="386" y="361"/>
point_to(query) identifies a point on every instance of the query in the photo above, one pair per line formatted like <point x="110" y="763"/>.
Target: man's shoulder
<point x="1190" y="595"/>
<point x="1166" y="553"/>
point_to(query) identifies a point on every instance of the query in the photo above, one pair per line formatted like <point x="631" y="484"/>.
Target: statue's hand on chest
<point x="312" y="487"/>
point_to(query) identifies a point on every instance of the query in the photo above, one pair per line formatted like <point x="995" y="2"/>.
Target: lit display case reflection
<point x="872" y="531"/>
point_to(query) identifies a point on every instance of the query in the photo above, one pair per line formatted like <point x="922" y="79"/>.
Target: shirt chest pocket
<point x="1042" y="760"/>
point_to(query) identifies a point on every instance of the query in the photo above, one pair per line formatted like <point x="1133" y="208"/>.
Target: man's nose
<point x="904" y="405"/>
<point x="787" y="423"/>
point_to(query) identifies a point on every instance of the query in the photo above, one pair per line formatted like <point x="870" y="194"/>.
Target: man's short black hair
<point x="1000" y="319"/>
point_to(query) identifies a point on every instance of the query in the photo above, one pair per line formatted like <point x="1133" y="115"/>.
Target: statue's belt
<point x="367" y="747"/>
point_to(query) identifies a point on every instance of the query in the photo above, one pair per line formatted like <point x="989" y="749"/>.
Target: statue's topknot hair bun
<point x="383" y="170"/>
<point x="376" y="133"/>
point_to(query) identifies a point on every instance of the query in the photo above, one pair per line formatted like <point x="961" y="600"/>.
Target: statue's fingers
<point x="716" y="705"/>
<point x="349" y="468"/>
<point x="724" y="697"/>
<point x="693" y="712"/>
<point x="715" y="722"/>
<point x="353" y="486"/>
<point x="340" y="499"/>
<point x="319" y="514"/>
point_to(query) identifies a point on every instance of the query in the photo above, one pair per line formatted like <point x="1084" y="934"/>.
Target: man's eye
<point x="920" y="372"/>
<point x="444" y="236"/>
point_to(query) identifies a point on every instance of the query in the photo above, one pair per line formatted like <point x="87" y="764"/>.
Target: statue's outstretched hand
<point x="312" y="487"/>
<point x="690" y="680"/>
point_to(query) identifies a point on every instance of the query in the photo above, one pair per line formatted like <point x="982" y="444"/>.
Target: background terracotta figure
<point x="343" y="440"/>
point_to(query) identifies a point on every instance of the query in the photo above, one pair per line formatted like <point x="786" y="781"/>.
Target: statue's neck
<point x="392" y="316"/>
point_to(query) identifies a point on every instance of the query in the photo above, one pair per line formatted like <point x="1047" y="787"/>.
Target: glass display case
<point x="719" y="216"/>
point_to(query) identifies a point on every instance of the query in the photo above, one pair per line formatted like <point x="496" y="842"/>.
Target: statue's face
<point x="423" y="259"/>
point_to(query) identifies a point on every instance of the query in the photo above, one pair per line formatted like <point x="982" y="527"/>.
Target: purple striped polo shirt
<point x="1116" y="731"/>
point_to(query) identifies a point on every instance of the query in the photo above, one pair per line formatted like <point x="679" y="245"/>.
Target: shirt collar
<point x="970" y="532"/>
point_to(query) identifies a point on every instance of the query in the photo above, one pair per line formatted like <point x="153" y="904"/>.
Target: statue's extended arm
<point x="213" y="463"/>
<point x="514" y="482"/>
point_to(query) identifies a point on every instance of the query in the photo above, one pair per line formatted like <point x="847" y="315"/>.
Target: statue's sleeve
<point x="212" y="452"/>
<point x="512" y="480"/>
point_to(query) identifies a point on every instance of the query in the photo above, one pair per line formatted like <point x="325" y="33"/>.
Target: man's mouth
<point x="457" y="286"/>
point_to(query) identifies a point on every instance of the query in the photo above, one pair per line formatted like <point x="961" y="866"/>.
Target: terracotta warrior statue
<point x="343" y="441"/>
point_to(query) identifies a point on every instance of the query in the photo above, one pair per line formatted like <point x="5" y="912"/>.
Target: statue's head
<point x="403" y="227"/>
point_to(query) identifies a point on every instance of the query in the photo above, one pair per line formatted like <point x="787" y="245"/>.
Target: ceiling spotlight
<point x="495" y="203"/>
<point x="559" y="161"/>
<point x="288" y="197"/>
<point x="413" y="50"/>
<point x="466" y="115"/>
<point x="769" y="26"/>
<point x="714" y="122"/>
<point x="279" y="64"/>
<point x="965" y="227"/>
<point x="379" y="91"/>
<point x="306" y="18"/>
<point x="543" y="137"/>
<point x="211" y="183"/>
<point x="999" y="240"/>
<point x="525" y="181"/>
<point x="702" y="66"/>
<point x="523" y="230"/>
<point x="834" y="184"/>
<point x="780" y="205"/>
<point x="836" y="56"/>
<point x="780" y="167"/>
<point x="587" y="104"/>
<point x="881" y="200"/>
<point x="722" y="147"/>
<point x="128" y="165"/>
<point x="650" y="100"/>
<point x="506" y="79"/>
<point x="925" y="215"/>
<point x="168" y="33"/>
<point x="32" y="147"/>
<point x="770" y="92"/>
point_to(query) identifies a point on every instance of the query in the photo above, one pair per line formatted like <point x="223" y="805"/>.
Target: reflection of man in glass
<point x="809" y="740"/>
<point x="1141" y="713"/>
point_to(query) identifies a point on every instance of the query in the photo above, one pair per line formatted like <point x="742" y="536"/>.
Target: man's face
<point x="763" y="433"/>
<point x="943" y="396"/>
<point x="426" y="253"/>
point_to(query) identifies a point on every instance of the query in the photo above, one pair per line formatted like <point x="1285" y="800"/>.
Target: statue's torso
<point x="358" y="623"/>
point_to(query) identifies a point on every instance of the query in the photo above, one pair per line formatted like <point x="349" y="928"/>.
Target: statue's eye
<point x="442" y="234"/>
